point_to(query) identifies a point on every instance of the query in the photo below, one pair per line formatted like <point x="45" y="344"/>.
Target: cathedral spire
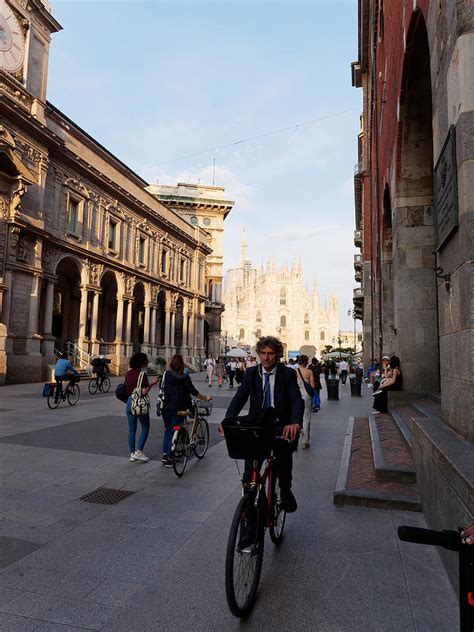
<point x="243" y="248"/>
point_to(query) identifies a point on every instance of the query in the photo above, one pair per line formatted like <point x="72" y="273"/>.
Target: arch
<point x="66" y="300"/>
<point x="282" y="320"/>
<point x="283" y="296"/>
<point x="107" y="319"/>
<point x="258" y="333"/>
<point x="161" y="318"/>
<point x="74" y="259"/>
<point x="241" y="334"/>
<point x="413" y="233"/>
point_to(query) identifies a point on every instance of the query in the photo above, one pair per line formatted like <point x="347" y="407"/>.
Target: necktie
<point x="267" y="399"/>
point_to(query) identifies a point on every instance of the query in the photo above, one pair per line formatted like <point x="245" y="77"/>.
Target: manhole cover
<point x="106" y="496"/>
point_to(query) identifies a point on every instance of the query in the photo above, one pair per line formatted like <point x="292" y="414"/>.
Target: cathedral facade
<point x="274" y="301"/>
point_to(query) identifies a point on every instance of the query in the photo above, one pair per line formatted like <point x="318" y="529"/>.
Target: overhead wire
<point x="258" y="136"/>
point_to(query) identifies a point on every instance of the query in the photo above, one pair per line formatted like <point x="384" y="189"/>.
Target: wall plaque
<point x="446" y="190"/>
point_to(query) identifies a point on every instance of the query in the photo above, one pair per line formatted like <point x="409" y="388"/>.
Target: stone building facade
<point x="89" y="258"/>
<point x="205" y="207"/>
<point x="414" y="219"/>
<point x="272" y="301"/>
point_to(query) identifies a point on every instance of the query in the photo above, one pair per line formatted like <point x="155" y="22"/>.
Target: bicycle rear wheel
<point x="52" y="397"/>
<point x="73" y="394"/>
<point x="178" y="453"/>
<point x="202" y="439"/>
<point x="92" y="386"/>
<point x="277" y="524"/>
<point x="244" y="558"/>
<point x="105" y="385"/>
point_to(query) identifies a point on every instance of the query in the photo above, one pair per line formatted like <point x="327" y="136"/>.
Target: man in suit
<point x="272" y="384"/>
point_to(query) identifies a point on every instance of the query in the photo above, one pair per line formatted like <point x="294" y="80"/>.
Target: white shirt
<point x="272" y="384"/>
<point x="343" y="366"/>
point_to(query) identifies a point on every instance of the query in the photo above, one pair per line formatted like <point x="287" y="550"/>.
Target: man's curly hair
<point x="273" y="343"/>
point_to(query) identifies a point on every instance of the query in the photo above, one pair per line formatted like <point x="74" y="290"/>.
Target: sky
<point x="157" y="82"/>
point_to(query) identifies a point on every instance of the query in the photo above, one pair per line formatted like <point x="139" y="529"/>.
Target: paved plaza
<point x="155" y="561"/>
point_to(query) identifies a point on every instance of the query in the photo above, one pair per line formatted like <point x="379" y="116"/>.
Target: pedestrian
<point x="133" y="377"/>
<point x="231" y="367"/>
<point x="343" y="371"/>
<point x="315" y="367"/>
<point x="178" y="389"/>
<point x="333" y="369"/>
<point x="239" y="372"/>
<point x="210" y="366"/>
<point x="220" y="372"/>
<point x="394" y="383"/>
<point x="305" y="377"/>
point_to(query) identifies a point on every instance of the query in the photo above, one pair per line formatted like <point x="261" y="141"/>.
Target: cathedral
<point x="272" y="301"/>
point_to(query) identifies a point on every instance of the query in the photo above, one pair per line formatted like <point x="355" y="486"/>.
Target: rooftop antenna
<point x="213" y="170"/>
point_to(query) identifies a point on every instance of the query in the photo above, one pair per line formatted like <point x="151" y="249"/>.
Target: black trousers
<point x="283" y="464"/>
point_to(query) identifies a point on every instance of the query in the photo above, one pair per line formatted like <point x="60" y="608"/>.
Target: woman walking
<point x="136" y="374"/>
<point x="220" y="372"/>
<point x="210" y="366"/>
<point x="305" y="375"/>
<point x="178" y="389"/>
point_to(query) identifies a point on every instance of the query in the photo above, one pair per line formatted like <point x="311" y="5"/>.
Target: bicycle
<point x="99" y="383"/>
<point x="191" y="436"/>
<point x="72" y="393"/>
<point x="258" y="509"/>
<point x="452" y="541"/>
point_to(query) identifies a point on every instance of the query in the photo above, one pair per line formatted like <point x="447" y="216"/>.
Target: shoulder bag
<point x="309" y="389"/>
<point x="139" y="404"/>
<point x="161" y="396"/>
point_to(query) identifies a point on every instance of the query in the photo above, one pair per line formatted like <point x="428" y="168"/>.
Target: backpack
<point x="139" y="403"/>
<point x="96" y="362"/>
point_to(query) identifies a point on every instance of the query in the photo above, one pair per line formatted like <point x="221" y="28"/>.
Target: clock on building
<point x="12" y="41"/>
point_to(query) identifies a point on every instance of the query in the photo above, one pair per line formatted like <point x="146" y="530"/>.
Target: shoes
<point x="139" y="456"/>
<point x="375" y="412"/>
<point x="164" y="457"/>
<point x="169" y="463"/>
<point x="288" y="501"/>
<point x="132" y="458"/>
<point x="305" y="445"/>
<point x="370" y="386"/>
<point x="210" y="385"/>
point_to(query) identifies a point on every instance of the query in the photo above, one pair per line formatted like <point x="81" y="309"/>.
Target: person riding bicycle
<point x="63" y="370"/>
<point x="100" y="368"/>
<point x="272" y="384"/>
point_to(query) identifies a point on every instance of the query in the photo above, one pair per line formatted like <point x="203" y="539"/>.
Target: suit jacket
<point x="288" y="402"/>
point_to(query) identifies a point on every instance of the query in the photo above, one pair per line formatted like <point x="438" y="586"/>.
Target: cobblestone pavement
<point x="156" y="560"/>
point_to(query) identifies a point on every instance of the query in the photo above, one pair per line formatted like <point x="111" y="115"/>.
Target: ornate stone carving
<point x="13" y="241"/>
<point x="129" y="283"/>
<point x="76" y="185"/>
<point x="174" y="299"/>
<point x="18" y="191"/>
<point x="27" y="152"/>
<point x="23" y="249"/>
<point x="154" y="293"/>
<point x="50" y="259"/>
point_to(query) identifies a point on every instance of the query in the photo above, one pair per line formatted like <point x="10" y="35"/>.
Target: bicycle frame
<point x="195" y="421"/>
<point x="259" y="480"/>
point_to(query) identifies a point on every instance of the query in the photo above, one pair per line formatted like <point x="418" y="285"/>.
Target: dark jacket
<point x="289" y="404"/>
<point x="178" y="390"/>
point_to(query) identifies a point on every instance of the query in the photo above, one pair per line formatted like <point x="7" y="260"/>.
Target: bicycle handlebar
<point x="450" y="540"/>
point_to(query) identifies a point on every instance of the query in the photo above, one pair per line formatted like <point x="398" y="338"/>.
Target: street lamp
<point x="351" y="312"/>
<point x="339" y="341"/>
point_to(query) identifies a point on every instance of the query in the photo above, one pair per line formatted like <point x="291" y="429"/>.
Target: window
<point x="182" y="270"/>
<point x="306" y="335"/>
<point x="112" y="235"/>
<point x="322" y="336"/>
<point x="72" y="215"/>
<point x="359" y="337"/>
<point x="163" y="261"/>
<point x="306" y="319"/>
<point x="141" y="250"/>
<point x="194" y="220"/>
<point x="199" y="277"/>
<point x="241" y="334"/>
<point x="283" y="321"/>
<point x="259" y="317"/>
<point x="258" y="333"/>
<point x="282" y="296"/>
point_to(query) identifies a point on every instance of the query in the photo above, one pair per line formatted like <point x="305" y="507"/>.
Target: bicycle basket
<point x="203" y="407"/>
<point x="249" y="437"/>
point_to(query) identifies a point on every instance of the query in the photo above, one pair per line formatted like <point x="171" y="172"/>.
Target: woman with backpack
<point x="177" y="390"/>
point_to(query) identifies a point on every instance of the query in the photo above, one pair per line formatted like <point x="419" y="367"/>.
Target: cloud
<point x="299" y="233"/>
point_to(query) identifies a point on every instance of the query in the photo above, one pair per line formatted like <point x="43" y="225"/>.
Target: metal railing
<point x="79" y="357"/>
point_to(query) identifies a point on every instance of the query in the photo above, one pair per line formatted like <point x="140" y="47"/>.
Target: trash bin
<point x="355" y="387"/>
<point x="333" y="389"/>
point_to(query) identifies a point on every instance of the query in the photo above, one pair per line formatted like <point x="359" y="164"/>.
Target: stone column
<point x="185" y="332"/>
<point x="33" y="341"/>
<point x="146" y="326"/>
<point x="7" y="302"/>
<point x="167" y="327"/>
<point x="119" y="323"/>
<point x="47" y="346"/>
<point x="153" y="326"/>
<point x="83" y="316"/>
<point x="192" y="336"/>
<point x="172" y="326"/>
<point x="94" y="323"/>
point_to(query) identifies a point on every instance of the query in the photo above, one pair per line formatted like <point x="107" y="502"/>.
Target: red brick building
<point x="414" y="203"/>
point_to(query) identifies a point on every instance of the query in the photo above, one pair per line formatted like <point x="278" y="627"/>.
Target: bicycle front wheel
<point x="277" y="524"/>
<point x="178" y="453"/>
<point x="53" y="399"/>
<point x="202" y="439"/>
<point x="105" y="385"/>
<point x="244" y="557"/>
<point x="92" y="386"/>
<point x="73" y="394"/>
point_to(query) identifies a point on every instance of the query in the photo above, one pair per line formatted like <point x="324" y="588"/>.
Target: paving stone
<point x="114" y="593"/>
<point x="13" y="549"/>
<point x="48" y="582"/>
<point x="14" y="623"/>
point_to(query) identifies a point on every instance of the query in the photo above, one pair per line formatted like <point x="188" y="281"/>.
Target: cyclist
<point x="272" y="384"/>
<point x="63" y="370"/>
<point x="100" y="368"/>
<point x="177" y="388"/>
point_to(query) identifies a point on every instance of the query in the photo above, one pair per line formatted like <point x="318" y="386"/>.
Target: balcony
<point x="358" y="238"/>
<point x="358" y="262"/>
<point x="358" y="276"/>
<point x="358" y="300"/>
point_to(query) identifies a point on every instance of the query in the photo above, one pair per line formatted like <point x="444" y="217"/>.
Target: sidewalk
<point x="155" y="561"/>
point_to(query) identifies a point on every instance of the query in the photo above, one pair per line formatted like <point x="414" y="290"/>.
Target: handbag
<point x="309" y="389"/>
<point x="139" y="403"/>
<point x="161" y="396"/>
<point x="47" y="389"/>
<point x="121" y="392"/>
